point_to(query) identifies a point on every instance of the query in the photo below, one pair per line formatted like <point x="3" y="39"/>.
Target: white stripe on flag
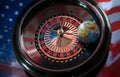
<point x="111" y="60"/>
<point x="114" y="17"/>
<point x="109" y="5"/>
<point x="115" y="36"/>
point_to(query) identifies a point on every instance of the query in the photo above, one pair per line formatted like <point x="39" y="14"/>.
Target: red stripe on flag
<point x="30" y="29"/>
<point x="29" y="48"/>
<point x="113" y="10"/>
<point x="116" y="26"/>
<point x="28" y="39"/>
<point x="115" y="48"/>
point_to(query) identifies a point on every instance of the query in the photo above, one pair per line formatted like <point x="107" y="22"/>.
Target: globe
<point x="88" y="32"/>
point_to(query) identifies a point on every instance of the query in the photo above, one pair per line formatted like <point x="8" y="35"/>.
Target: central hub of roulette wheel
<point x="61" y="38"/>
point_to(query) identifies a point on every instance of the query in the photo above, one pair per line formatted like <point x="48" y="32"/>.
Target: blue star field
<point x="9" y="11"/>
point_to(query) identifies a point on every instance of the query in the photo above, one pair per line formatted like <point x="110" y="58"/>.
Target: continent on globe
<point x="88" y="32"/>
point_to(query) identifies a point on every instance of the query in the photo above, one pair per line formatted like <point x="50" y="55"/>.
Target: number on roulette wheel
<point x="61" y="38"/>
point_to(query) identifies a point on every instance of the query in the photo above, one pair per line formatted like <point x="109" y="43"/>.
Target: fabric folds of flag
<point x="112" y="67"/>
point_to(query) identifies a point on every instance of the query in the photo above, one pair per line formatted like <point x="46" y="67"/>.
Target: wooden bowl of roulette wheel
<point x="61" y="38"/>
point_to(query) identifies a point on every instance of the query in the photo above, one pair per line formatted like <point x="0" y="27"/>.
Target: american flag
<point x="112" y="66"/>
<point x="10" y="9"/>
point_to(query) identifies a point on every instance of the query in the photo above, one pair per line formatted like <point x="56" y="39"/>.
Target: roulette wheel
<point x="61" y="38"/>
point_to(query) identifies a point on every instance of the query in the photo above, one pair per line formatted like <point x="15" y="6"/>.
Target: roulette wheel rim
<point x="35" y="69"/>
